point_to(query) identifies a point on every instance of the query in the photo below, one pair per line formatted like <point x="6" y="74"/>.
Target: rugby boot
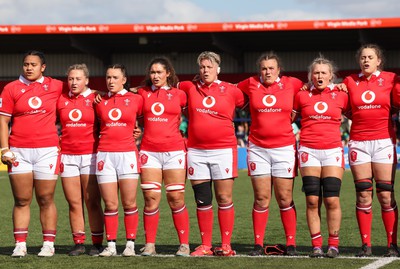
<point x="366" y="251"/>
<point x="225" y="250"/>
<point x="317" y="252"/>
<point x="202" y="250"/>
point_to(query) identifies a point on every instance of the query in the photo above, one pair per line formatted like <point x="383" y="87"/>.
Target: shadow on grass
<point x="241" y="249"/>
<point x="378" y="251"/>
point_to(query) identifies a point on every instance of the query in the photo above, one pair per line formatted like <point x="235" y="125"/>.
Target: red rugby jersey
<point x="211" y="110"/>
<point x="321" y="116"/>
<point x="270" y="110"/>
<point x="162" y="116"/>
<point x="117" y="114"/>
<point x="32" y="106"/>
<point x="370" y="105"/>
<point x="79" y="128"/>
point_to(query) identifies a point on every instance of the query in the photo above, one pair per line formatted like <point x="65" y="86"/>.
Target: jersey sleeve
<point x="396" y="93"/>
<point x="296" y="103"/>
<point x="184" y="85"/>
<point x="182" y="98"/>
<point x="140" y="91"/>
<point x="139" y="104"/>
<point x="240" y="97"/>
<point x="6" y="102"/>
<point x="58" y="85"/>
<point x="244" y="85"/>
<point x="297" y="84"/>
<point x="346" y="103"/>
<point x="346" y="80"/>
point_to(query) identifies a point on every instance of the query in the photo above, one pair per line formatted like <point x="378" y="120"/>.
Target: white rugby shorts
<point x="76" y="165"/>
<point x="42" y="162"/>
<point x="372" y="151"/>
<point x="212" y="163"/>
<point x="114" y="166"/>
<point x="321" y="157"/>
<point x="163" y="160"/>
<point x="278" y="162"/>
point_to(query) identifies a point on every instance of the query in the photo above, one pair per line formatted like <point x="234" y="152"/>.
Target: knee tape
<point x="312" y="186"/>
<point x="175" y="187"/>
<point x="384" y="186"/>
<point x="363" y="185"/>
<point x="331" y="186"/>
<point x="203" y="194"/>
<point x="151" y="186"/>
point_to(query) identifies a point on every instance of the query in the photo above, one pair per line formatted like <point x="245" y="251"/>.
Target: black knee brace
<point x="363" y="185"/>
<point x="382" y="185"/>
<point x="331" y="186"/>
<point x="203" y="193"/>
<point x="312" y="186"/>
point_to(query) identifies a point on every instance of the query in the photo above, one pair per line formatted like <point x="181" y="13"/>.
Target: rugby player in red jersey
<point x="117" y="166"/>
<point x="79" y="140"/>
<point x="272" y="148"/>
<point x="163" y="153"/>
<point x="321" y="152"/>
<point x="31" y="149"/>
<point x="372" y="152"/>
<point x="212" y="150"/>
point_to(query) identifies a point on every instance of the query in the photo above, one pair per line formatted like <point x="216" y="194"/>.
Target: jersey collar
<point x="376" y="74"/>
<point x="121" y="92"/>
<point x="28" y="82"/>
<point x="154" y="88"/>
<point x="277" y="80"/>
<point x="86" y="93"/>
<point x="331" y="86"/>
<point x="217" y="81"/>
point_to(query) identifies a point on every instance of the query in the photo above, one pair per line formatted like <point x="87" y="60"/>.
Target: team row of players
<point x="101" y="166"/>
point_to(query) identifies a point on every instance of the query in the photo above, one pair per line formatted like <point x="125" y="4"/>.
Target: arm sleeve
<point x="244" y="85"/>
<point x="396" y="93"/>
<point x="184" y="85"/>
<point x="6" y="102"/>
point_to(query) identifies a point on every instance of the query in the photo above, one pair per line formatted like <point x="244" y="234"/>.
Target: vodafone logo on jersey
<point x="157" y="109"/>
<point x="208" y="101"/>
<point x="75" y="115"/>
<point x="368" y="97"/>
<point x="320" y="107"/>
<point x="115" y="114"/>
<point x="269" y="100"/>
<point x="34" y="102"/>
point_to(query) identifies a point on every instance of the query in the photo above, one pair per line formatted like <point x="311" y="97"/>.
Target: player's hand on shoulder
<point x="99" y="97"/>
<point x="134" y="89"/>
<point x="342" y="87"/>
<point x="305" y="87"/>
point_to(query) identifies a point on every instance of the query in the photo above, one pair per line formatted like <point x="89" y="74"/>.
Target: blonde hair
<point x="209" y="55"/>
<point x="82" y="67"/>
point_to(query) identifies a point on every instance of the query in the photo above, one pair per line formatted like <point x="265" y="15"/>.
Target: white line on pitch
<point x="378" y="263"/>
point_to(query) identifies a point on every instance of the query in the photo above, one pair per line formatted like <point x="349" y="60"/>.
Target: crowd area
<point x="163" y="132"/>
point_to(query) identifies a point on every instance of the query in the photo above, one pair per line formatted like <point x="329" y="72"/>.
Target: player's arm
<point x="7" y="156"/>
